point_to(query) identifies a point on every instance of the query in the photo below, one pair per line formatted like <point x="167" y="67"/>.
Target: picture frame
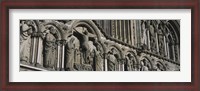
<point x="118" y="4"/>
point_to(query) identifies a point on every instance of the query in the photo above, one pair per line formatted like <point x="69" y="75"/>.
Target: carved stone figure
<point x="85" y="46"/>
<point x="161" y="45"/>
<point x="152" y="30"/>
<point x="112" y="61"/>
<point x="98" y="56"/>
<point x="69" y="51"/>
<point x="144" y="66"/>
<point x="26" y="30"/>
<point x="80" y="45"/>
<point x="91" y="59"/>
<point x="144" y="34"/>
<point x="50" y="48"/>
<point x="128" y="63"/>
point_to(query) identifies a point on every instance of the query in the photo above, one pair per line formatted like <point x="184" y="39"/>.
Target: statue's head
<point x="28" y="22"/>
<point x="52" y="30"/>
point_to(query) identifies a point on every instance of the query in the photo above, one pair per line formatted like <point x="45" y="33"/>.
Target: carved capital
<point x="61" y="42"/>
<point x="37" y="34"/>
<point x="34" y="34"/>
<point x="121" y="61"/>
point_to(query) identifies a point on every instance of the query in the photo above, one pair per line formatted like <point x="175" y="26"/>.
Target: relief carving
<point x="61" y="46"/>
<point x="144" y="66"/>
<point x="70" y="53"/>
<point x="26" y="29"/>
<point x="50" y="48"/>
<point x="112" y="61"/>
<point x="144" y="35"/>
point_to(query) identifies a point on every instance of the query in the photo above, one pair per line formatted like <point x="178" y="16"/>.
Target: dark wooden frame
<point x="100" y="4"/>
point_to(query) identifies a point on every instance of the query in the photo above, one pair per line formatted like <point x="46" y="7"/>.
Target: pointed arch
<point x="159" y="63"/>
<point x="134" y="55"/>
<point x="118" y="49"/>
<point x="58" y="28"/>
<point x="86" y="23"/>
<point x="150" y="64"/>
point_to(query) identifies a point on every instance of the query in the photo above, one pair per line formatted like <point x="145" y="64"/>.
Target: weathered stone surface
<point x="87" y="45"/>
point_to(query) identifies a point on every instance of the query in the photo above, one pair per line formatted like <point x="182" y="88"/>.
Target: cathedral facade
<point x="99" y="45"/>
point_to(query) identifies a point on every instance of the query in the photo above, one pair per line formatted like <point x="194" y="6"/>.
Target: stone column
<point x="178" y="53"/>
<point x="115" y="27"/>
<point x="173" y="52"/>
<point x="120" y="30"/>
<point x="148" y="40"/>
<point x="128" y="32"/>
<point x="157" y="46"/>
<point x="119" y="67"/>
<point x="116" y="30"/>
<point x="106" y="65"/>
<point x="133" y="34"/>
<point x="39" y="49"/>
<point x="140" y="33"/>
<point x="105" y="62"/>
<point x="165" y="46"/>
<point x="34" y="49"/>
<point x="124" y="35"/>
<point x="60" y="55"/>
<point x="122" y="64"/>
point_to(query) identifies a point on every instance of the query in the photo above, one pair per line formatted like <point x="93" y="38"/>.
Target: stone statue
<point x="144" y="34"/>
<point x="85" y="46"/>
<point x="129" y="62"/>
<point x="26" y="29"/>
<point x="90" y="58"/>
<point x="50" y="49"/>
<point x="144" y="66"/>
<point x="112" y="61"/>
<point x="151" y="28"/>
<point x="98" y="56"/>
<point x="69" y="51"/>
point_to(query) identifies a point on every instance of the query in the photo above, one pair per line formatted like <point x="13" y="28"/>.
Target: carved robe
<point x="50" y="51"/>
<point x="99" y="61"/>
<point x="129" y="64"/>
<point x="25" y="48"/>
<point x="25" y="43"/>
<point x="144" y="35"/>
<point x="70" y="46"/>
<point x="144" y="68"/>
<point x="112" y="62"/>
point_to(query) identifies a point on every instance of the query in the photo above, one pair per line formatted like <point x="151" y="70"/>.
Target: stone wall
<point x="99" y="45"/>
